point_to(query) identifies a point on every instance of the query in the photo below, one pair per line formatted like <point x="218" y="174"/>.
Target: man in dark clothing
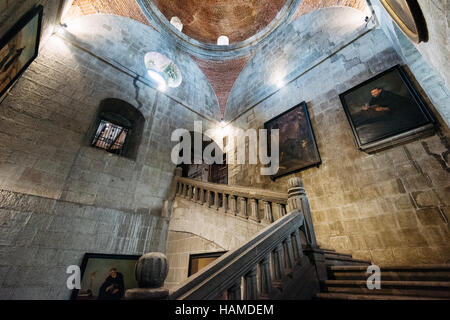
<point x="113" y="288"/>
<point x="398" y="110"/>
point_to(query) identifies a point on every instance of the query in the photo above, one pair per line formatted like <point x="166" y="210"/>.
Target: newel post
<point x="167" y="206"/>
<point x="151" y="272"/>
<point x="297" y="200"/>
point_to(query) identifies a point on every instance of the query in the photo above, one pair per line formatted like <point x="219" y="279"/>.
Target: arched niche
<point x="123" y="115"/>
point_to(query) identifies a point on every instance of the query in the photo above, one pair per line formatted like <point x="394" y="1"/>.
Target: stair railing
<point x="255" y="269"/>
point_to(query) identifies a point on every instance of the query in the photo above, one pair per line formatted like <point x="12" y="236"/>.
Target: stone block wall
<point x="60" y="197"/>
<point x="180" y="245"/>
<point x="41" y="237"/>
<point x="196" y="229"/>
<point x="390" y="207"/>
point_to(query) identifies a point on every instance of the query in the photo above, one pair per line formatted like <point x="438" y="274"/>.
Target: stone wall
<point x="429" y="73"/>
<point x="180" y="245"/>
<point x="196" y="229"/>
<point x="60" y="197"/>
<point x="391" y="207"/>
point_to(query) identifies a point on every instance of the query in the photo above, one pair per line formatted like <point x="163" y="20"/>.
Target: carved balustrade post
<point x="290" y="262"/>
<point x="278" y="262"/>
<point x="268" y="216"/>
<point x="266" y="281"/>
<point x="224" y="208"/>
<point x="189" y="192"/>
<point x="254" y="210"/>
<point x="297" y="200"/>
<point x="207" y="198"/>
<point x="234" y="293"/>
<point x="298" y="252"/>
<point x="233" y="205"/>
<point x="243" y="207"/>
<point x="216" y="200"/>
<point x="250" y="285"/>
<point x="276" y="211"/>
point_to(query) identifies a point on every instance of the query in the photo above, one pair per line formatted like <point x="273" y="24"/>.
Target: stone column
<point x="151" y="272"/>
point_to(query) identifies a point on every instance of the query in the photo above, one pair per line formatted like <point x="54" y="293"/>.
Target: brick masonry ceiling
<point x="206" y="20"/>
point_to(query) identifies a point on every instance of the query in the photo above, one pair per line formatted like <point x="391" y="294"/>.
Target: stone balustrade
<point x="256" y="204"/>
<point x="253" y="270"/>
<point x="259" y="266"/>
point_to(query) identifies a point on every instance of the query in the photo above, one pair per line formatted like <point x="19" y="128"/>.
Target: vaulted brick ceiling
<point x="221" y="76"/>
<point x="124" y="8"/>
<point x="206" y="20"/>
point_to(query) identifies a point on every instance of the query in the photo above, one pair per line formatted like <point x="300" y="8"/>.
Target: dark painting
<point x="384" y="109"/>
<point x="106" y="276"/>
<point x="19" y="47"/>
<point x="298" y="148"/>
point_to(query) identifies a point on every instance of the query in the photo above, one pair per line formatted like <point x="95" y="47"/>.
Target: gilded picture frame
<point x="408" y="16"/>
<point x="387" y="110"/>
<point x="19" y="47"/>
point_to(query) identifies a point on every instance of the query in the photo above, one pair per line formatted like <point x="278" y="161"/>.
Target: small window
<point x="110" y="137"/>
<point x="223" y="41"/>
<point x="118" y="128"/>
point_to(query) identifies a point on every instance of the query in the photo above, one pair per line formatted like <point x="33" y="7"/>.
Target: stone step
<point x="409" y="273"/>
<point x="434" y="289"/>
<point x="347" y="296"/>
<point x="344" y="260"/>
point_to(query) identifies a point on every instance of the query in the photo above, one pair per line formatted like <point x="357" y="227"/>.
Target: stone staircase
<point x="283" y="261"/>
<point x="348" y="282"/>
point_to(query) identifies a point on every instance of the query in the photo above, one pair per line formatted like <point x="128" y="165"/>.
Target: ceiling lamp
<point x="223" y="41"/>
<point x="162" y="71"/>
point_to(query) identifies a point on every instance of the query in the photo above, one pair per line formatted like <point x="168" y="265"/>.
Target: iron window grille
<point x="110" y="137"/>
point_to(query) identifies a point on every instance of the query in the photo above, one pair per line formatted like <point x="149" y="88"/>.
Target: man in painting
<point x="397" y="110"/>
<point x="113" y="288"/>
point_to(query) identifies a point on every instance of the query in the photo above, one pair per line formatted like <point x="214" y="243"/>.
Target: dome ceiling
<point x="206" y="20"/>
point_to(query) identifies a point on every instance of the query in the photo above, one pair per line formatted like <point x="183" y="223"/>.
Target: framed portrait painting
<point x="106" y="276"/>
<point x="297" y="145"/>
<point x="386" y="111"/>
<point x="409" y="18"/>
<point x="19" y="47"/>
